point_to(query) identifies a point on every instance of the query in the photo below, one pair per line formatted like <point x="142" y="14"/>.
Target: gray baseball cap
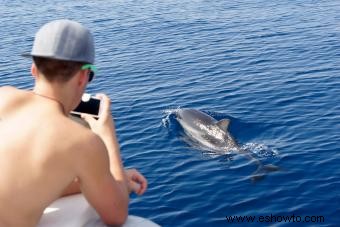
<point x="64" y="40"/>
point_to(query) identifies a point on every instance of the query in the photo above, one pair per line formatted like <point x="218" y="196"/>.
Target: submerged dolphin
<point x="214" y="135"/>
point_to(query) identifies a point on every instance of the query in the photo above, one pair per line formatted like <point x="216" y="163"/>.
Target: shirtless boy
<point x="43" y="153"/>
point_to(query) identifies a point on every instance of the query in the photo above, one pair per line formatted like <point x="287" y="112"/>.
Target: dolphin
<point x="214" y="135"/>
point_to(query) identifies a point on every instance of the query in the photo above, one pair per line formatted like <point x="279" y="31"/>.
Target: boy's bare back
<point x="40" y="151"/>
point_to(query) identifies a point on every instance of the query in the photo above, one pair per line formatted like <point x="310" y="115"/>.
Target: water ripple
<point x="270" y="66"/>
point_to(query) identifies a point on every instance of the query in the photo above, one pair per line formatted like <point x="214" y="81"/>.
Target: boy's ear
<point x="34" y="70"/>
<point x="82" y="78"/>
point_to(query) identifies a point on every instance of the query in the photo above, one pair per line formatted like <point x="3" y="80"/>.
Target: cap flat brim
<point x="26" y="55"/>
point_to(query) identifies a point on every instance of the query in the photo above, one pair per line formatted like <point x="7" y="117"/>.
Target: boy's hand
<point x="137" y="182"/>
<point x="104" y="126"/>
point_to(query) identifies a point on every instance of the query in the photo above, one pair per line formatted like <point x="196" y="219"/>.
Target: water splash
<point x="260" y="150"/>
<point x="167" y="114"/>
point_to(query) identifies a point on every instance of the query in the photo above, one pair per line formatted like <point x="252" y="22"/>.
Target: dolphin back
<point x="206" y="130"/>
<point x="190" y="115"/>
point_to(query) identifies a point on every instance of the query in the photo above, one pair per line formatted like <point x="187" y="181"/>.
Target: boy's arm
<point x="104" y="182"/>
<point x="107" y="194"/>
<point x="137" y="184"/>
<point x="105" y="129"/>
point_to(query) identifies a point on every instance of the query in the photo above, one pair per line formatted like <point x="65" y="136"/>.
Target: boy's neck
<point x="56" y="92"/>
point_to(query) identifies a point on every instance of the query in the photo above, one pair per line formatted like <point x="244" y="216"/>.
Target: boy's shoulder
<point x="10" y="97"/>
<point x="9" y="91"/>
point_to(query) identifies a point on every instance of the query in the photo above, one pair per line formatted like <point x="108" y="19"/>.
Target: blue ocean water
<point x="272" y="67"/>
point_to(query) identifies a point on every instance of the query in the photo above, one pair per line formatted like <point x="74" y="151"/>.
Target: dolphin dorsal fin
<point x="223" y="124"/>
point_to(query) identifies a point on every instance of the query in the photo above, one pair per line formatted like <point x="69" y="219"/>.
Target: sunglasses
<point x="92" y="69"/>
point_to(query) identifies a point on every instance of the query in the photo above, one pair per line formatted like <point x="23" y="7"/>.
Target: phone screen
<point x="89" y="107"/>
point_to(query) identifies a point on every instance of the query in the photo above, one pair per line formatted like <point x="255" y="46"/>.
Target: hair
<point x="57" y="70"/>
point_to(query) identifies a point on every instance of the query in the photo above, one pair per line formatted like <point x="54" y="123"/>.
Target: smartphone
<point x="89" y="105"/>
